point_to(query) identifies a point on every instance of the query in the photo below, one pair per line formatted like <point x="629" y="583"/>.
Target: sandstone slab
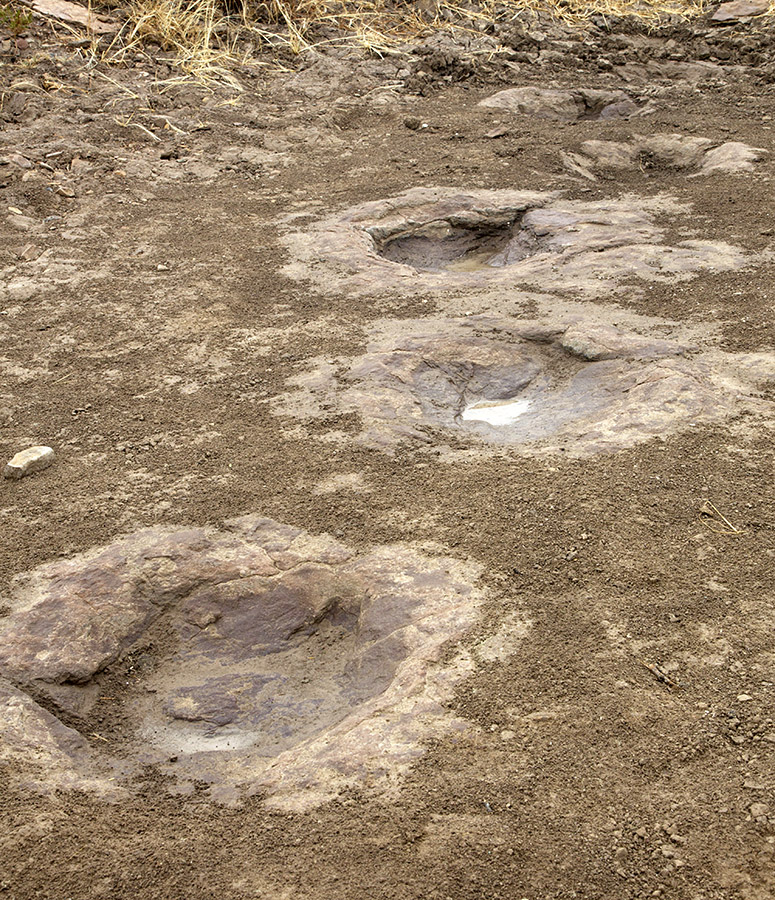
<point x="563" y="105"/>
<point x="577" y="388"/>
<point x="263" y="657"/>
<point x="731" y="157"/>
<point x="49" y="754"/>
<point x="444" y="239"/>
<point x="693" y="155"/>
<point x="731" y="12"/>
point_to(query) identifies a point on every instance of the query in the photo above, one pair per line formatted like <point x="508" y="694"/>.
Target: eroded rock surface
<point x="261" y="656"/>
<point x="694" y="155"/>
<point x="49" y="754"/>
<point x="442" y="238"/>
<point x="575" y="387"/>
<point x="563" y="106"/>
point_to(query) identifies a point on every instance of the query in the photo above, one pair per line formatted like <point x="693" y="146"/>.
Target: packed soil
<point x="622" y="743"/>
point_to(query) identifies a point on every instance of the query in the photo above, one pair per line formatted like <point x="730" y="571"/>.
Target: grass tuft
<point x="202" y="35"/>
<point x="14" y="20"/>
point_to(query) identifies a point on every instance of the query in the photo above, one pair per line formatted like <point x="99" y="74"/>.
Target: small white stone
<point x="33" y="459"/>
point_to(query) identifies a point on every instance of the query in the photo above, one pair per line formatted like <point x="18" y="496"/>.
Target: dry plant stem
<point x="711" y="516"/>
<point x="661" y="676"/>
<point x="130" y="124"/>
<point x="192" y="29"/>
<point x="167" y="123"/>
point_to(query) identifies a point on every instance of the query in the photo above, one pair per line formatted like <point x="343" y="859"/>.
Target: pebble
<point x="33" y="459"/>
<point x="18" y="160"/>
<point x="21" y="223"/>
<point x="541" y="716"/>
<point x="753" y="784"/>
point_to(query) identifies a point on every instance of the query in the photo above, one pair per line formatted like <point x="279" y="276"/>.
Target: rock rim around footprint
<point x="47" y="754"/>
<point x="258" y="658"/>
<point x="564" y="105"/>
<point x="575" y="388"/>
<point x="696" y="156"/>
<point x="447" y="238"/>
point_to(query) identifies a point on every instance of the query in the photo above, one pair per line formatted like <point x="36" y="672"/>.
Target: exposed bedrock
<point x="577" y="388"/>
<point x="445" y="239"/>
<point x="696" y="156"/>
<point x="258" y="655"/>
<point x="564" y="105"/>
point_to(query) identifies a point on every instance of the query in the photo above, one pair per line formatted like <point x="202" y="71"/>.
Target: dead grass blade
<point x="716" y="521"/>
<point x="128" y="123"/>
<point x="197" y="32"/>
<point x="661" y="676"/>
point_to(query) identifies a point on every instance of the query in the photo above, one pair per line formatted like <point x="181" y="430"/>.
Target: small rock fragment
<point x="754" y="784"/>
<point x="28" y="252"/>
<point x="577" y="165"/>
<point x="758" y="810"/>
<point x="20" y="223"/>
<point x="34" y="459"/>
<point x="18" y="160"/>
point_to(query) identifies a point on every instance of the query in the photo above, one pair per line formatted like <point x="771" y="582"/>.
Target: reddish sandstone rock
<point x="245" y="645"/>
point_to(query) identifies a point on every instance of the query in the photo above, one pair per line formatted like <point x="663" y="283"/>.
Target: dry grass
<point x="192" y="31"/>
<point x="203" y="35"/>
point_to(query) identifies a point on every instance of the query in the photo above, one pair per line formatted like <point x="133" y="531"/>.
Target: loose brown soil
<point x="619" y="737"/>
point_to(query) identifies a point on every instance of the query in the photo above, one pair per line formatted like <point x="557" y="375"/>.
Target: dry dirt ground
<point x="617" y="737"/>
